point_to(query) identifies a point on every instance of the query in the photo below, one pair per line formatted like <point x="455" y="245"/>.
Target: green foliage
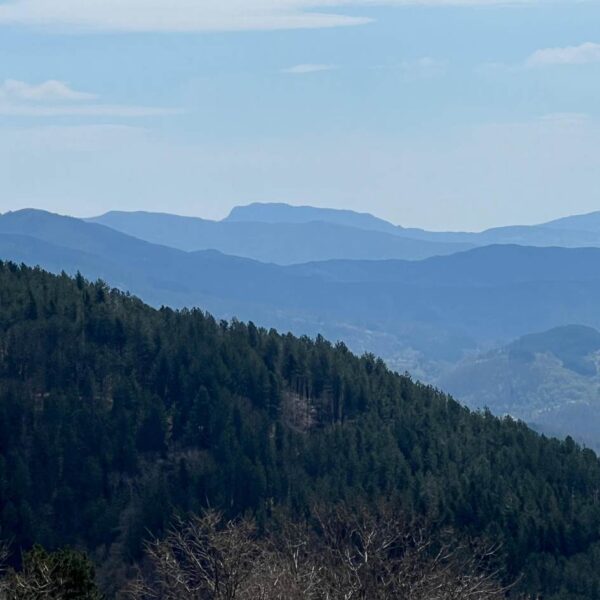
<point x="549" y="380"/>
<point x="573" y="345"/>
<point x="115" y="417"/>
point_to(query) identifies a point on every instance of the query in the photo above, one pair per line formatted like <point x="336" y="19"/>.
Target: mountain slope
<point x="286" y="213"/>
<point x="588" y="223"/>
<point x="281" y="243"/>
<point x="167" y="275"/>
<point x="570" y="232"/>
<point x="488" y="266"/>
<point x="419" y="315"/>
<point x="115" y="416"/>
<point x="551" y="380"/>
<point x="288" y="235"/>
<point x="525" y="235"/>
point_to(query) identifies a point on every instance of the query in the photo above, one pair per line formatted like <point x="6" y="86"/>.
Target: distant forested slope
<point x="115" y="416"/>
<point x="550" y="380"/>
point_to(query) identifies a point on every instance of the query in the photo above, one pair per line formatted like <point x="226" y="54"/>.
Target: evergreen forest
<point x="118" y="421"/>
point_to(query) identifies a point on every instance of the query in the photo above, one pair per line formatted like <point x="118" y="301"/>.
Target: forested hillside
<point x="550" y="380"/>
<point x="419" y="316"/>
<point x="115" y="417"/>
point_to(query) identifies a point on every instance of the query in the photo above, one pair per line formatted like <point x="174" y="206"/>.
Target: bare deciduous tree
<point x="377" y="556"/>
<point x="3" y="570"/>
<point x="290" y="570"/>
<point x="203" y="558"/>
<point x="344" y="555"/>
<point x="63" y="575"/>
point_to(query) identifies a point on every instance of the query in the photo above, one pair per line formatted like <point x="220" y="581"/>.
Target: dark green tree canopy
<point x="115" y="417"/>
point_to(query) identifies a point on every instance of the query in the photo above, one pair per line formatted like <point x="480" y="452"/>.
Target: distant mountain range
<point x="550" y="380"/>
<point x="280" y="243"/>
<point x="439" y="307"/>
<point x="285" y="235"/>
<point x="426" y="316"/>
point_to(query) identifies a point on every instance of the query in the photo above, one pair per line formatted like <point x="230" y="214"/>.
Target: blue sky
<point x="443" y="114"/>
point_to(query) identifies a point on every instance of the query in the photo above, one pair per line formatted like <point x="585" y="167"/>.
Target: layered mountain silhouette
<point x="296" y="241"/>
<point x="439" y="307"/>
<point x="284" y="234"/>
<point x="426" y="316"/>
<point x="287" y="234"/>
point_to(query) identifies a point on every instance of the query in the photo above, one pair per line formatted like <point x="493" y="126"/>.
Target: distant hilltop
<point x="286" y="213"/>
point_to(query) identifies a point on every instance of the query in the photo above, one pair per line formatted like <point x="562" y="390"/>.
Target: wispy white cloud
<point x="576" y="119"/>
<point x="176" y="15"/>
<point x="570" y="55"/>
<point x="48" y="91"/>
<point x="587" y="53"/>
<point x="205" y="15"/>
<point x="417" y="68"/>
<point x="305" y="69"/>
<point x="56" y="99"/>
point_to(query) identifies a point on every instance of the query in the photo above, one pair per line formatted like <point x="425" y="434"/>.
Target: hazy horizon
<point x="421" y="113"/>
<point x="225" y="213"/>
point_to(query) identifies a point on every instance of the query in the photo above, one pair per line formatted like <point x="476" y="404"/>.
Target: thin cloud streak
<point x="54" y="98"/>
<point x="210" y="15"/>
<point x="175" y="16"/>
<point x="48" y="91"/>
<point x="305" y="69"/>
<point x="583" y="54"/>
